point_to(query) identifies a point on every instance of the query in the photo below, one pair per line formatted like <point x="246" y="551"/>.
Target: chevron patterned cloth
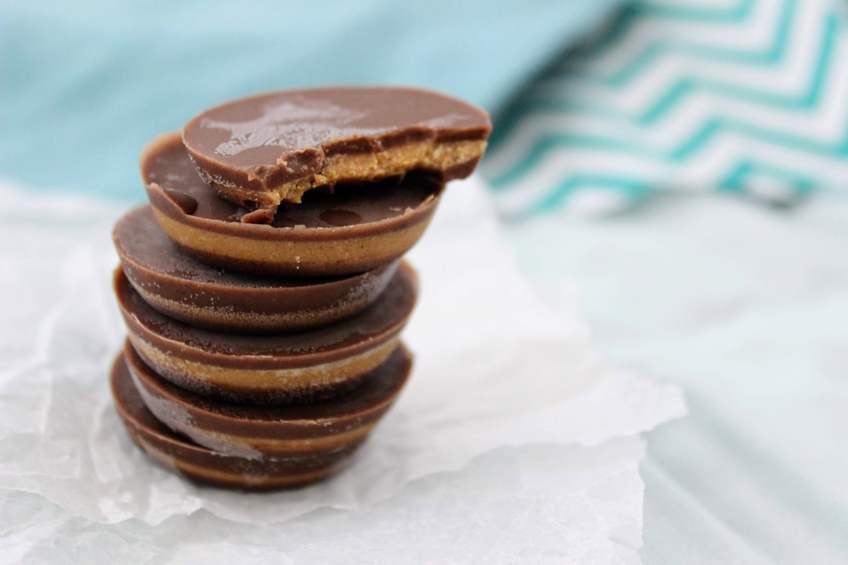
<point x="748" y="97"/>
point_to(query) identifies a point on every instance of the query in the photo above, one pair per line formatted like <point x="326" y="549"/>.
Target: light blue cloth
<point x="739" y="97"/>
<point x="83" y="85"/>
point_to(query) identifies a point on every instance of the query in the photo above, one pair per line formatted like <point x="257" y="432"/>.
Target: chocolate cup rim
<point x="266" y="361"/>
<point x="174" y="440"/>
<point x="485" y="128"/>
<point x="339" y="280"/>
<point x="130" y="356"/>
<point x="264" y="231"/>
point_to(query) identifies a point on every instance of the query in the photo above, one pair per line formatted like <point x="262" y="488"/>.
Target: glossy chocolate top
<point x="374" y="389"/>
<point x="167" y="165"/>
<point x="270" y="129"/>
<point x="388" y="314"/>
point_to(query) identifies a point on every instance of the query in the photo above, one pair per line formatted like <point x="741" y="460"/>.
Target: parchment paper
<point x="510" y="413"/>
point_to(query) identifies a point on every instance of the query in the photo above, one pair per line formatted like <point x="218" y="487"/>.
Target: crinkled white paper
<point x="513" y="441"/>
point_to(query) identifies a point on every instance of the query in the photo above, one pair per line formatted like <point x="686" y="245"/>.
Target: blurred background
<point x="598" y="103"/>
<point x="88" y="84"/>
<point x="677" y="168"/>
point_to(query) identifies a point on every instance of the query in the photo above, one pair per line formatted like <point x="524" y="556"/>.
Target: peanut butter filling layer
<point x="269" y="368"/>
<point x="256" y="432"/>
<point x="294" y="258"/>
<point x="257" y="384"/>
<point x="272" y="148"/>
<point x="450" y="159"/>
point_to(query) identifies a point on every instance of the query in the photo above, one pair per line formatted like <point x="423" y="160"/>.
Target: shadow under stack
<point x="263" y="287"/>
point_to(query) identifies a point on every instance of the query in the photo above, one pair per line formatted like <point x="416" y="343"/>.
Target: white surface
<point x="746" y="307"/>
<point x="514" y="440"/>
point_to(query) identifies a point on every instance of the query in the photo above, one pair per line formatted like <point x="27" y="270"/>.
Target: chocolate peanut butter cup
<point x="271" y="148"/>
<point x="269" y="369"/>
<point x="182" y="287"/>
<point x="334" y="231"/>
<point x="255" y="432"/>
<point x="205" y="465"/>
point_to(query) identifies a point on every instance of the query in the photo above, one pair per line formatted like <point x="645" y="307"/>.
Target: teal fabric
<point x="83" y="85"/>
<point x="677" y="96"/>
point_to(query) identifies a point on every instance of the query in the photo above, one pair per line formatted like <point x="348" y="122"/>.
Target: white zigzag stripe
<point x="825" y="122"/>
<point x="730" y="147"/>
<point x="750" y="34"/>
<point x="791" y="76"/>
<point x="711" y="4"/>
<point x="557" y="166"/>
<point x="704" y="171"/>
<point x="535" y="126"/>
<point x="693" y="175"/>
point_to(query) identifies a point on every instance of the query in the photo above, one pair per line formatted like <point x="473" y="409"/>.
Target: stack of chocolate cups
<point x="263" y="287"/>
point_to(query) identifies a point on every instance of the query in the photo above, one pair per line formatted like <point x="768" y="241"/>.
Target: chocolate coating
<point x="269" y="369"/>
<point x="272" y="147"/>
<point x="257" y="432"/>
<point x="347" y="230"/>
<point x="205" y="465"/>
<point x="180" y="286"/>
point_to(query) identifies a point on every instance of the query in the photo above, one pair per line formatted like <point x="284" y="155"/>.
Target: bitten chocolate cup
<point x="178" y="285"/>
<point x="257" y="433"/>
<point x="205" y="465"/>
<point x="269" y="369"/>
<point x="341" y="231"/>
<point x="274" y="147"/>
